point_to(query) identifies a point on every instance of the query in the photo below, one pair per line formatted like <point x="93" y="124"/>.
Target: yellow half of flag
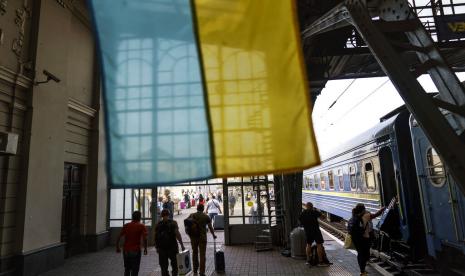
<point x="257" y="91"/>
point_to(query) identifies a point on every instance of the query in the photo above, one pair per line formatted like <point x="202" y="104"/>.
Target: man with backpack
<point x="133" y="232"/>
<point x="166" y="234"/>
<point x="309" y="220"/>
<point x="213" y="208"/>
<point x="196" y="227"/>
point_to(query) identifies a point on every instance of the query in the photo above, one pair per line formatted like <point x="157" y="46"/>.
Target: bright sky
<point x="357" y="110"/>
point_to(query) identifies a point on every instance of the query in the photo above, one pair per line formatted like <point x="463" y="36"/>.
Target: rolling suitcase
<point x="192" y="202"/>
<point x="219" y="258"/>
<point x="182" y="205"/>
<point x="218" y="222"/>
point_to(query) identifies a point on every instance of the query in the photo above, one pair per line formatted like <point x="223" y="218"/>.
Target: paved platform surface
<point x="240" y="260"/>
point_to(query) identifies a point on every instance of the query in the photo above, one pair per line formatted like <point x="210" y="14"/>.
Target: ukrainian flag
<point x="201" y="89"/>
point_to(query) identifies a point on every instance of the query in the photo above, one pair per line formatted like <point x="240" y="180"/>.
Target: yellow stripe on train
<point x="373" y="197"/>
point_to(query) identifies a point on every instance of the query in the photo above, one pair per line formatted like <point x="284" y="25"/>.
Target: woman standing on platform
<point x="201" y="200"/>
<point x="361" y="231"/>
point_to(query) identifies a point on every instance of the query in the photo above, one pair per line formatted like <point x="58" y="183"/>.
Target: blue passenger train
<point x="384" y="163"/>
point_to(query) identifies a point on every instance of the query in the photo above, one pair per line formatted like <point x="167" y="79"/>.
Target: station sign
<point x="450" y="26"/>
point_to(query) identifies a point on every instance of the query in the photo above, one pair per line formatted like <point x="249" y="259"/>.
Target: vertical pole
<point x="154" y="212"/>
<point x="226" y="211"/>
<point x="287" y="213"/>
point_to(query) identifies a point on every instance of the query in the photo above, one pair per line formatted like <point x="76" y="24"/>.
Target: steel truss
<point x="395" y="16"/>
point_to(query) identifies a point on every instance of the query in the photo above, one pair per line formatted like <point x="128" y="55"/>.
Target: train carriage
<point x="395" y="159"/>
<point x="372" y="169"/>
<point x="443" y="203"/>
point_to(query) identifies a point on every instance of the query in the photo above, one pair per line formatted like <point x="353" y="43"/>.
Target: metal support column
<point x="154" y="215"/>
<point x="226" y="211"/>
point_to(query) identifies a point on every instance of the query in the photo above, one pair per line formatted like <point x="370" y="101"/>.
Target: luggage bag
<point x="218" y="222"/>
<point x="219" y="259"/>
<point x="184" y="262"/>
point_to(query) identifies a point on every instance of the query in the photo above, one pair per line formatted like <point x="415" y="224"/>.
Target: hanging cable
<point x="340" y="95"/>
<point x="362" y="100"/>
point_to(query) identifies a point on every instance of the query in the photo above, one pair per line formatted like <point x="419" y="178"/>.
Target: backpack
<point x="314" y="260"/>
<point x="355" y="228"/>
<point x="165" y="235"/>
<point x="192" y="227"/>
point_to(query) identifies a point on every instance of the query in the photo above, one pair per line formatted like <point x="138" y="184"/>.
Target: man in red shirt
<point x="133" y="233"/>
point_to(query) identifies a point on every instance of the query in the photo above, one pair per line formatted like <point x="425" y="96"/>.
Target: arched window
<point x="341" y="179"/>
<point x="436" y="173"/>
<point x="370" y="177"/>
<point x="353" y="181"/>
<point x="331" y="180"/>
<point x="323" y="181"/>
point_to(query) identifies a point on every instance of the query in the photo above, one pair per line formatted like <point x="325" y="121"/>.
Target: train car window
<point x="370" y="177"/>
<point x="341" y="179"/>
<point x="353" y="181"/>
<point x="322" y="181"/>
<point x="310" y="183"/>
<point x="435" y="168"/>
<point x="307" y="182"/>
<point x="331" y="180"/>
<point x="315" y="177"/>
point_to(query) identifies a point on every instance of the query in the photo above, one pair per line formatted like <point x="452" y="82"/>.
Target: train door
<point x="387" y="176"/>
<point x="437" y="196"/>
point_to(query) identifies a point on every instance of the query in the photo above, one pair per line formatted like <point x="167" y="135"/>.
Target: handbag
<point x="184" y="262"/>
<point x="348" y="242"/>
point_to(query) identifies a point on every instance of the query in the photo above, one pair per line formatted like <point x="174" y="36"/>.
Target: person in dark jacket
<point x="309" y="220"/>
<point x="169" y="205"/>
<point x="166" y="234"/>
<point x="362" y="241"/>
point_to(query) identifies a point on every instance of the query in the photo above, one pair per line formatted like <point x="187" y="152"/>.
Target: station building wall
<point x="57" y="123"/>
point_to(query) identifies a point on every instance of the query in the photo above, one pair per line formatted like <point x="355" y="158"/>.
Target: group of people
<point x="166" y="239"/>
<point x="256" y="210"/>
<point x="198" y="198"/>
<point x="360" y="228"/>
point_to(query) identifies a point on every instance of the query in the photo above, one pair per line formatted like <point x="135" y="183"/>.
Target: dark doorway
<point x="388" y="178"/>
<point x="71" y="211"/>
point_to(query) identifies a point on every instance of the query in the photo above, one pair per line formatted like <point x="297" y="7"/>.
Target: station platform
<point x="240" y="260"/>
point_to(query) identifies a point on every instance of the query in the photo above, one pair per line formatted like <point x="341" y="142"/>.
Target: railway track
<point x="380" y="261"/>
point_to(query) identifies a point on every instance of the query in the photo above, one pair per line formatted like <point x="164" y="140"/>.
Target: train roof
<point x="385" y="127"/>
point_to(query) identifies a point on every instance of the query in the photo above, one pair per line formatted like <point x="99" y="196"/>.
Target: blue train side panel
<point x="442" y="201"/>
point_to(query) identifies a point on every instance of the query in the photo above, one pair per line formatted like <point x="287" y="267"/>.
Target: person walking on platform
<point x="309" y="220"/>
<point x="213" y="208"/>
<point x="166" y="234"/>
<point x="187" y="200"/>
<point x="201" y="200"/>
<point x="361" y="230"/>
<point x="133" y="232"/>
<point x="169" y="205"/>
<point x="199" y="241"/>
<point x="232" y="203"/>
